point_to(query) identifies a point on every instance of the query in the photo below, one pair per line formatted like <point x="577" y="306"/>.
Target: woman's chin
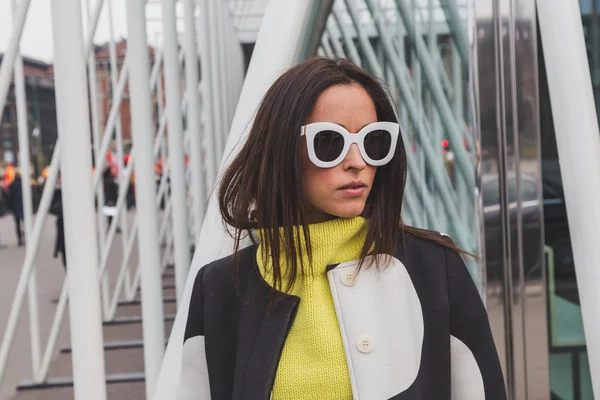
<point x="348" y="212"/>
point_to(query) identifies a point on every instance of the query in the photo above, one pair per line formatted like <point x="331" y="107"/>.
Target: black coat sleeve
<point x="475" y="367"/>
<point x="194" y="372"/>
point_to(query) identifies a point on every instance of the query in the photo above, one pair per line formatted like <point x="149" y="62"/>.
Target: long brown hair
<point x="262" y="188"/>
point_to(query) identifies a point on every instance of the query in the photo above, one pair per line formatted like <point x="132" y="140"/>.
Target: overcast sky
<point x="36" y="41"/>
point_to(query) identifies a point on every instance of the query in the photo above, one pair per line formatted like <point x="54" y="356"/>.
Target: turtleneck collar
<point x="332" y="242"/>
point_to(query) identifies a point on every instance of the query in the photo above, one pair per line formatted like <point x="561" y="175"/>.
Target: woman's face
<point x="340" y="191"/>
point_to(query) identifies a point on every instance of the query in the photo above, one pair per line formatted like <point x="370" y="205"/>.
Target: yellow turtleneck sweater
<point x="313" y="361"/>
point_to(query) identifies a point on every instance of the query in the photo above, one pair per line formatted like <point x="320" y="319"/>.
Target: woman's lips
<point x="354" y="191"/>
<point x="355" y="188"/>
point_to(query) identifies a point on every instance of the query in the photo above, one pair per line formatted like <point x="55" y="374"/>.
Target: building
<point x="104" y="89"/>
<point x="41" y="116"/>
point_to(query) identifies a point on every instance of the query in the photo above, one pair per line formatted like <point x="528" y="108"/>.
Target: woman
<point x="339" y="300"/>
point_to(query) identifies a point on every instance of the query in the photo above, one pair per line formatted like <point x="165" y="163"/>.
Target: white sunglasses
<point x="329" y="143"/>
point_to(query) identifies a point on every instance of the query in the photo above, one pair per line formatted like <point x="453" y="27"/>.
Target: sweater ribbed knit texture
<point x="313" y="361"/>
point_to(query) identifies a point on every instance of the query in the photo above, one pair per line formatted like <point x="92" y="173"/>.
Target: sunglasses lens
<point x="328" y="145"/>
<point x="378" y="144"/>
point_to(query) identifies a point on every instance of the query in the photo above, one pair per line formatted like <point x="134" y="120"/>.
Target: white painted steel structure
<point x="90" y="247"/>
<point x="192" y="80"/>
<point x="191" y="106"/>
<point x="32" y="300"/>
<point x="578" y="144"/>
<point x="176" y="154"/>
<point x="148" y="248"/>
<point x="78" y="199"/>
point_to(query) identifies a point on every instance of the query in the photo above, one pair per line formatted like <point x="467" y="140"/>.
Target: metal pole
<point x="457" y="28"/>
<point x="193" y="115"/>
<point x="119" y="134"/>
<point x="78" y="201"/>
<point x="326" y="46"/>
<point x="216" y="94"/>
<point x="335" y="40"/>
<point x="208" y="103"/>
<point x="8" y="60"/>
<point x="578" y="144"/>
<point x="176" y="153"/>
<point x="352" y="52"/>
<point x="91" y="28"/>
<point x="437" y="133"/>
<point x="228" y="67"/>
<point x="223" y="68"/>
<point x="96" y="138"/>
<point x="148" y="248"/>
<point x="32" y="301"/>
<point x="464" y="192"/>
<point x="233" y="61"/>
<point x="418" y="92"/>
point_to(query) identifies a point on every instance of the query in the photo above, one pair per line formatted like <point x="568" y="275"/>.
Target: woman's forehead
<point x="346" y="105"/>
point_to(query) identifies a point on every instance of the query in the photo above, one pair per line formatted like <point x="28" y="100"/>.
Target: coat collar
<point x="262" y="333"/>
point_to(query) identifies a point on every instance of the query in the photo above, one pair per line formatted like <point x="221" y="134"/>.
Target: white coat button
<point x="365" y="343"/>
<point x="348" y="278"/>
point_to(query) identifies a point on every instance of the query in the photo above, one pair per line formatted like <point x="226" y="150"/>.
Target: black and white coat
<point x="416" y="329"/>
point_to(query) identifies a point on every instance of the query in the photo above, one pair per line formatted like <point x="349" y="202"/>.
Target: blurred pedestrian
<point x="3" y="201"/>
<point x="15" y="203"/>
<point x="111" y="193"/>
<point x="56" y="209"/>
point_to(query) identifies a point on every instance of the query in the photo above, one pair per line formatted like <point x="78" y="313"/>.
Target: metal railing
<point x="176" y="61"/>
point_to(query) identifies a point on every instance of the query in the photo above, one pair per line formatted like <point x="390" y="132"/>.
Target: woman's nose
<point x="354" y="159"/>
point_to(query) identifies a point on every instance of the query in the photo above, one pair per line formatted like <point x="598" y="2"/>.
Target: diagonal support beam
<point x="8" y="60"/>
<point x="439" y="98"/>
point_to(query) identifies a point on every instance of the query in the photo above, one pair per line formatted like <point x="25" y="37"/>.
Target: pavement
<point x="49" y="278"/>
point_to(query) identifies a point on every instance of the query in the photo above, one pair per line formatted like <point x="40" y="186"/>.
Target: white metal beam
<point x="78" y="201"/>
<point x="193" y="115"/>
<point x="8" y="60"/>
<point x="23" y="129"/>
<point x="208" y="106"/>
<point x="176" y="152"/>
<point x="148" y="246"/>
<point x="578" y="143"/>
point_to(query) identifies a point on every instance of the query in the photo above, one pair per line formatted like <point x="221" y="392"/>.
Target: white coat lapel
<point x="381" y="321"/>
